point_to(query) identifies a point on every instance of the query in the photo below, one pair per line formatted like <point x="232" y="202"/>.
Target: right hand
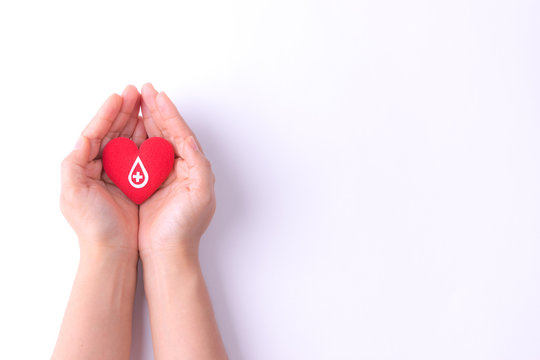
<point x="101" y="215"/>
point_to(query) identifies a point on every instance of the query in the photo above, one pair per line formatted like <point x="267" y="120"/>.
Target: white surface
<point x="377" y="168"/>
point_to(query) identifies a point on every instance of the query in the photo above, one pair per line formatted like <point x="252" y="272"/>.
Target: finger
<point x="198" y="165"/>
<point x="128" y="129"/>
<point x="148" y="95"/>
<point x="106" y="178"/>
<point x="139" y="135"/>
<point x="130" y="98"/>
<point x="96" y="130"/>
<point x="74" y="165"/>
<point x="171" y="123"/>
<point x="94" y="169"/>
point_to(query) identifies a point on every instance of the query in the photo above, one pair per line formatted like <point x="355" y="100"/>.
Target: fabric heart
<point x="138" y="172"/>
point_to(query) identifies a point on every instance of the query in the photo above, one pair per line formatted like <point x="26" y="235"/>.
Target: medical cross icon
<point x="138" y="176"/>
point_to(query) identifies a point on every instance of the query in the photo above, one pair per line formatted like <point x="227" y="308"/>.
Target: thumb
<point x="74" y="165"/>
<point x="190" y="152"/>
<point x="198" y="165"/>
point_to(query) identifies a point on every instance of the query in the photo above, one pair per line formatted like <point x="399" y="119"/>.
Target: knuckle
<point x="64" y="162"/>
<point x="66" y="195"/>
<point x="208" y="198"/>
<point x="70" y="198"/>
<point x="64" y="165"/>
<point x="64" y="203"/>
<point x="206" y="163"/>
<point x="208" y="167"/>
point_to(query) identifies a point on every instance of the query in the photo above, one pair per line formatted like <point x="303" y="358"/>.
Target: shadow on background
<point x="215" y="247"/>
<point x="218" y="245"/>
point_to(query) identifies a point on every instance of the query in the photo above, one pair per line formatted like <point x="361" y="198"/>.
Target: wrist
<point x="172" y="259"/>
<point x="184" y="251"/>
<point x="113" y="272"/>
<point x="106" y="255"/>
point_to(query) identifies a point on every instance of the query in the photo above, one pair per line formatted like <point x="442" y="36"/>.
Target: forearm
<point x="97" y="322"/>
<point x="181" y="315"/>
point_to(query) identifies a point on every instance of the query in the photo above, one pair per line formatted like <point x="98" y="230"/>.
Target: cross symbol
<point x="137" y="176"/>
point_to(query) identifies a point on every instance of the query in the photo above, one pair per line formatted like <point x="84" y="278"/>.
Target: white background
<point x="377" y="168"/>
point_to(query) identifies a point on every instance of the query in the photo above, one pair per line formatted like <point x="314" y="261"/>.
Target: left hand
<point x="174" y="218"/>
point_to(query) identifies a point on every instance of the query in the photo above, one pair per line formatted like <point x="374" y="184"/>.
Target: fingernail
<point x="125" y="91"/>
<point x="160" y="100"/>
<point x="193" y="143"/>
<point x="151" y="86"/>
<point x="78" y="144"/>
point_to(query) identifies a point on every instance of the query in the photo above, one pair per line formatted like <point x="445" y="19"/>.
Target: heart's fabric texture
<point x="138" y="172"/>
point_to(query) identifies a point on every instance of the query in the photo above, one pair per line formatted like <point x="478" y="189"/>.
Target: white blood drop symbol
<point x="137" y="176"/>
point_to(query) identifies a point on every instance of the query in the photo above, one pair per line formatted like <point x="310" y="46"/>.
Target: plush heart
<point x="138" y="172"/>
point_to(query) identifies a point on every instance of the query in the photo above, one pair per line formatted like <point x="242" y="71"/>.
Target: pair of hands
<point x="173" y="218"/>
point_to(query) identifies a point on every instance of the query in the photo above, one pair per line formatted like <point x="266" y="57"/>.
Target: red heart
<point x="138" y="172"/>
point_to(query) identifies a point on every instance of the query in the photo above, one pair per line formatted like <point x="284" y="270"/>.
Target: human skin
<point x="172" y="222"/>
<point x="97" y="321"/>
<point x="113" y="232"/>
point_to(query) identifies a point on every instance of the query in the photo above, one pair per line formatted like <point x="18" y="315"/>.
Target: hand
<point x="174" y="218"/>
<point x="101" y="215"/>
